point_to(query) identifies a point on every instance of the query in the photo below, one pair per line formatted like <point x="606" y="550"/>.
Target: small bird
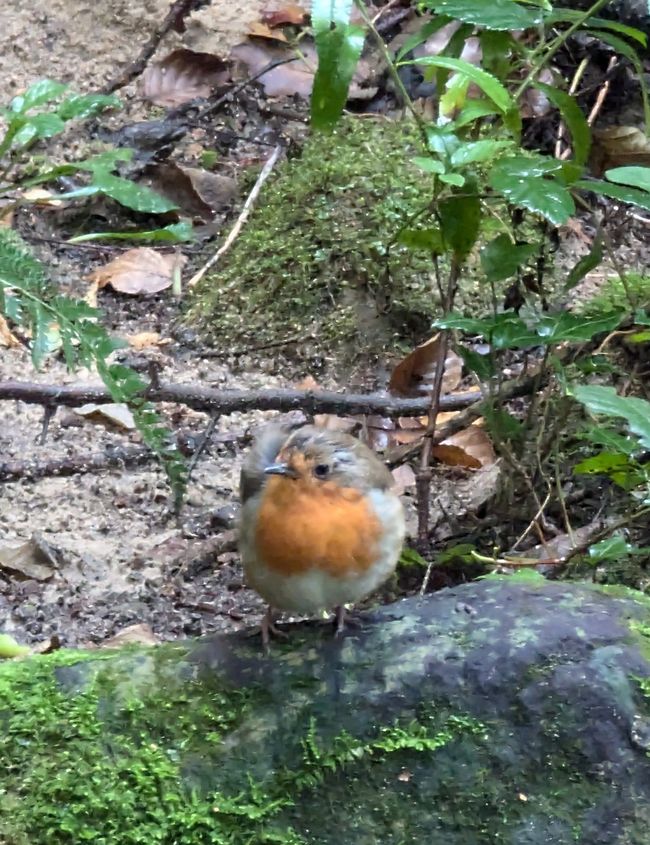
<point x="320" y="524"/>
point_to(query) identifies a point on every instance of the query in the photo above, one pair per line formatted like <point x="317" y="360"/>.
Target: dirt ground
<point x="117" y="555"/>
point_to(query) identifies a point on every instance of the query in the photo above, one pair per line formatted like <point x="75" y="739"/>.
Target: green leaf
<point x="605" y="401"/>
<point x="131" y="195"/>
<point x="602" y="464"/>
<point x="105" y="161"/>
<point x="586" y="264"/>
<point x="574" y="119"/>
<point x="495" y="14"/>
<point x="429" y="29"/>
<point x="460" y="221"/>
<point x="43" y="91"/>
<point x="472" y="111"/>
<point x="10" y="648"/>
<point x="489" y="84"/>
<point x="575" y="328"/>
<point x="600" y="435"/>
<point x="339" y="44"/>
<point x="174" y="233"/>
<point x="612" y="548"/>
<point x="455" y="179"/>
<point x="481" y="365"/>
<point x="39" y="126"/>
<point x="573" y="15"/>
<point x="518" y="181"/>
<point x="617" y="192"/>
<point x="503" y="331"/>
<point x="430" y="165"/>
<point x="639" y="337"/>
<point x="501" y="258"/>
<point x="86" y="105"/>
<point x="477" y="152"/>
<point x="442" y="142"/>
<point x="502" y="424"/>
<point x="427" y="240"/>
<point x="636" y="177"/>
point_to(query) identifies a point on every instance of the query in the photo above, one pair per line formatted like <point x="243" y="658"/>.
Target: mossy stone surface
<point x="505" y="711"/>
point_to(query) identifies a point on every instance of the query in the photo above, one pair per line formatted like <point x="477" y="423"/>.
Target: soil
<point x="119" y="557"/>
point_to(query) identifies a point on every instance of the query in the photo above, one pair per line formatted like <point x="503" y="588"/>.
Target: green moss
<point x="318" y="253"/>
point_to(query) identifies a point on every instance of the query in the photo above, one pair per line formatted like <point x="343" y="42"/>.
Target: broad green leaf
<point x="477" y="152"/>
<point x="639" y="337"/>
<point x="602" y="464"/>
<point x="618" y="192"/>
<point x="43" y="91"/>
<point x="586" y="264"/>
<point x="174" y="233"/>
<point x="10" y="648"/>
<point x="460" y="220"/>
<point x="575" y="328"/>
<point x="503" y="331"/>
<point x="542" y="196"/>
<point x="131" y="195"/>
<point x="105" y="161"/>
<point x="86" y="105"/>
<point x="636" y="177"/>
<point x="489" y="84"/>
<point x="39" y="126"/>
<point x="611" y="548"/>
<point x="430" y="165"/>
<point x="491" y="14"/>
<point x="454" y="179"/>
<point x="46" y="335"/>
<point x="481" y="365"/>
<point x="442" y="141"/>
<point x="604" y="400"/>
<point x="574" y="119"/>
<point x="473" y="110"/>
<point x="427" y="240"/>
<point x="526" y="166"/>
<point x="454" y="96"/>
<point x="611" y="440"/>
<point x="339" y="44"/>
<point x="501" y="258"/>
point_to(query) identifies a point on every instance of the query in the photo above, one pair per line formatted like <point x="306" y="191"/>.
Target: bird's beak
<point x="281" y="469"/>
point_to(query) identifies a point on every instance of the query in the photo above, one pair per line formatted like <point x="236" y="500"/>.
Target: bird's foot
<point x="269" y="629"/>
<point x="342" y="620"/>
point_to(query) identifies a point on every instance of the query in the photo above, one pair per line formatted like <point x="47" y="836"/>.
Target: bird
<point x="320" y="525"/>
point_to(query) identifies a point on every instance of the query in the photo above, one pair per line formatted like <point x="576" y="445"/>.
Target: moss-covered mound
<point x="318" y="254"/>
<point x="507" y="711"/>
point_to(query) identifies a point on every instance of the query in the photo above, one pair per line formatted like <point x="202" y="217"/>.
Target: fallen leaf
<point x="295" y="77"/>
<point x="9" y="648"/>
<point x="7" y="337"/>
<point x="415" y="374"/>
<point x="470" y="448"/>
<point x="115" y="413"/>
<point x="618" y="146"/>
<point x="139" y="270"/>
<point x="91" y="294"/>
<point x="39" y="196"/>
<point x="47" y="646"/>
<point x="262" y="30"/>
<point x="334" y="423"/>
<point x="290" y="14"/>
<point x="182" y="76"/>
<point x="199" y="193"/>
<point x="142" y="634"/>
<point x="403" y="478"/>
<point x="27" y="559"/>
<point x="144" y="339"/>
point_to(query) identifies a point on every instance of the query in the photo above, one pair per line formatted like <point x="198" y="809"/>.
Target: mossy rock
<point x="507" y="711"/>
<point x="318" y="256"/>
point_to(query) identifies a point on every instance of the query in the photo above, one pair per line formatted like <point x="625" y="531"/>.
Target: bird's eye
<point x="321" y="470"/>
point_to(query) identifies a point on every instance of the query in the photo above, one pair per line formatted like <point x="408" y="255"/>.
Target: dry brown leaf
<point x="296" y="77"/>
<point x="39" y="196"/>
<point x="182" y="76"/>
<point x="289" y="14"/>
<point x="619" y="146"/>
<point x="111" y="412"/>
<point x="415" y="374"/>
<point x="142" y="634"/>
<point x="470" y="448"/>
<point x="27" y="559"/>
<point x="262" y="30"/>
<point x="334" y="423"/>
<point x="144" y="339"/>
<point x="7" y="337"/>
<point x="308" y="383"/>
<point x="199" y="193"/>
<point x="139" y="270"/>
<point x="403" y="478"/>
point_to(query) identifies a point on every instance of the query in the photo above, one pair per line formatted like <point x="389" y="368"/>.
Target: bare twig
<point x="246" y="210"/>
<point x="124" y="456"/>
<point x="602" y="94"/>
<point x="211" y="400"/>
<point x="205" y="439"/>
<point x="177" y="10"/>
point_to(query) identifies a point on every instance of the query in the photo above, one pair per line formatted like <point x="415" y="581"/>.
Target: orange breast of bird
<point x="303" y="525"/>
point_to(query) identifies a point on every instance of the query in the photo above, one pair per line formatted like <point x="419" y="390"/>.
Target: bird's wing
<point x="263" y="452"/>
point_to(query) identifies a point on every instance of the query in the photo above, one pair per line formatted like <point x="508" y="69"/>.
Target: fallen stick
<point x="243" y="216"/>
<point x="33" y="469"/>
<point x="230" y="401"/>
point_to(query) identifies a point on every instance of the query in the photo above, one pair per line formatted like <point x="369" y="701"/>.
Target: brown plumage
<point x="320" y="524"/>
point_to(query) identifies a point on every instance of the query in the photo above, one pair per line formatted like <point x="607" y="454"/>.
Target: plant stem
<point x="556" y="44"/>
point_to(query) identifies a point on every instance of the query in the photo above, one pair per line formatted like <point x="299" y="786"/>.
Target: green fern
<point x="60" y="323"/>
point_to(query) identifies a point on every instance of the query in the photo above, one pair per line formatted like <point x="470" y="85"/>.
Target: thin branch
<point x="230" y="401"/>
<point x="243" y="217"/>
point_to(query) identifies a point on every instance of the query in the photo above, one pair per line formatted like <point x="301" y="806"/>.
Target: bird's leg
<point x="268" y="629"/>
<point x="340" y="620"/>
